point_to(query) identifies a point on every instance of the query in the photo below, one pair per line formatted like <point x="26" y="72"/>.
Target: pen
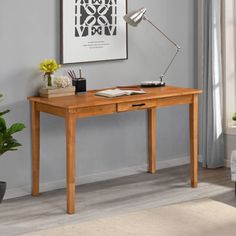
<point x="80" y="73"/>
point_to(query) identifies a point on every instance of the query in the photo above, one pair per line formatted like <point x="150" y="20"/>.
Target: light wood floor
<point x="112" y="197"/>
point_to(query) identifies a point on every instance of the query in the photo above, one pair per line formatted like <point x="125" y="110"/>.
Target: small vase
<point x="48" y="78"/>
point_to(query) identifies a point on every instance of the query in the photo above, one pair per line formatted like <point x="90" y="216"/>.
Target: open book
<point x="111" y="93"/>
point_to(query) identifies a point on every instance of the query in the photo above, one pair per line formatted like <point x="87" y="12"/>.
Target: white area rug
<point x="203" y="218"/>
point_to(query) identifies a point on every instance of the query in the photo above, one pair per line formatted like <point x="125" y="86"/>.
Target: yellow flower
<point x="49" y="66"/>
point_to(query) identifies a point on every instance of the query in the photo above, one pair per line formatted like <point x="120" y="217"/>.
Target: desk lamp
<point x="133" y="18"/>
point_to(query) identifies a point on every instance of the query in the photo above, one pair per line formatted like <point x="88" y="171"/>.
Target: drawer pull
<point x="138" y="105"/>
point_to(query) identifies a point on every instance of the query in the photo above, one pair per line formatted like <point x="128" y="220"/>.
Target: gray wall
<point x="29" y="32"/>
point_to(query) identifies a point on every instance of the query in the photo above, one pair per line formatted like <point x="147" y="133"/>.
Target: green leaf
<point x="7" y="142"/>
<point x="15" y="128"/>
<point x="4" y="112"/>
<point x="234" y="117"/>
<point x="2" y="125"/>
<point x="14" y="145"/>
<point x="1" y="138"/>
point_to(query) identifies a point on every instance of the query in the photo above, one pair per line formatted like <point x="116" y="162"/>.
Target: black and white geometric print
<point x="95" y="17"/>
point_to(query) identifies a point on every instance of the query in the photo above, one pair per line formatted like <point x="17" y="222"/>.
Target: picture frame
<point x="93" y="30"/>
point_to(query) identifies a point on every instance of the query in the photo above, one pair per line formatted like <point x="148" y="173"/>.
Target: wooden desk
<point x="86" y="105"/>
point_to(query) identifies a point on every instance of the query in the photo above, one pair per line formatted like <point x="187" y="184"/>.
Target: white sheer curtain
<point x="211" y="82"/>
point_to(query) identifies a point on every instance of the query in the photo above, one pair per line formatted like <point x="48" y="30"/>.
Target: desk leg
<point x="152" y="140"/>
<point x="35" y="128"/>
<point x="193" y="114"/>
<point x="70" y="161"/>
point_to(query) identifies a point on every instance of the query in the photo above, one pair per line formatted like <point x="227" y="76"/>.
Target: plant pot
<point x="3" y="186"/>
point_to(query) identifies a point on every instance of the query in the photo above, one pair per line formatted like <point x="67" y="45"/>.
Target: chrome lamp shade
<point x="135" y="17"/>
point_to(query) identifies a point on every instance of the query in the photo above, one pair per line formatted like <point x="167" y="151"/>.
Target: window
<point x="229" y="73"/>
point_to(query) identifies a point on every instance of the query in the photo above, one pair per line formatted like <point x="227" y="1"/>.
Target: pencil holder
<point x="80" y="85"/>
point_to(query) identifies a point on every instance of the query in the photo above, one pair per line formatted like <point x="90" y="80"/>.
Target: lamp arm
<point x="167" y="68"/>
<point x="171" y="41"/>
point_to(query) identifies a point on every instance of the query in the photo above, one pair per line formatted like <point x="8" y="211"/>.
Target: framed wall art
<point x="93" y="30"/>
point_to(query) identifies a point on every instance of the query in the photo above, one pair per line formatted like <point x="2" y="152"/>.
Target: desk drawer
<point x="137" y="105"/>
<point x="95" y="111"/>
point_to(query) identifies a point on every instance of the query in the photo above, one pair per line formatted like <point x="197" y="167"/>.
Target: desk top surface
<point x="89" y="99"/>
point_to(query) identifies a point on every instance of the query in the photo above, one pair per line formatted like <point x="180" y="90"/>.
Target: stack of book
<point x="56" y="92"/>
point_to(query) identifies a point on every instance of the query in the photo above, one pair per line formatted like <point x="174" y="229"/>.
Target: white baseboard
<point x="44" y="187"/>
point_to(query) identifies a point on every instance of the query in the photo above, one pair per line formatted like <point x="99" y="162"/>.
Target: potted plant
<point x="234" y="117"/>
<point x="48" y="67"/>
<point x="7" y="142"/>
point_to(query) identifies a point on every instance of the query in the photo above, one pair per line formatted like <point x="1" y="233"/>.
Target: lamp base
<point x="147" y="84"/>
